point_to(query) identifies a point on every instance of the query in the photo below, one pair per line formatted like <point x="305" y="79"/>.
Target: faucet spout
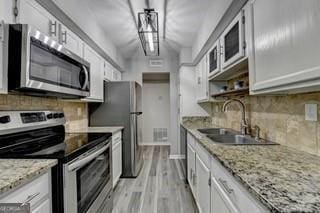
<point x="244" y="124"/>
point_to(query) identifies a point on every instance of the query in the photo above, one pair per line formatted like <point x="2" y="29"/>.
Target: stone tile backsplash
<point x="281" y="119"/>
<point x="21" y="102"/>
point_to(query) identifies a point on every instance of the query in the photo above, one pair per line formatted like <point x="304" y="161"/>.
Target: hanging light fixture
<point x="149" y="32"/>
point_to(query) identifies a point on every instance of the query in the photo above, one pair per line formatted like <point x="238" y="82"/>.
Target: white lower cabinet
<point x="116" y="157"/>
<point x="36" y="192"/>
<point x="215" y="190"/>
<point x="203" y="185"/>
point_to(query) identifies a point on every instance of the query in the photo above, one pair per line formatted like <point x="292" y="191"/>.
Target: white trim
<point x="177" y="157"/>
<point x="155" y="144"/>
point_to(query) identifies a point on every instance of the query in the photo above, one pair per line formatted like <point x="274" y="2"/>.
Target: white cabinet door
<point x="30" y="12"/>
<point x="214" y="59"/>
<point x="116" y="75"/>
<point x="220" y="202"/>
<point x="191" y="154"/>
<point x="203" y="185"/>
<point x="117" y="162"/>
<point x="96" y="74"/>
<point x="71" y="41"/>
<point x="107" y="71"/>
<point x="202" y="80"/>
<point x="44" y="207"/>
<point x="285" y="46"/>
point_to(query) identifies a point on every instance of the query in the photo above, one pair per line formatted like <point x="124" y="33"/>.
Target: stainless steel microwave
<point x="39" y="65"/>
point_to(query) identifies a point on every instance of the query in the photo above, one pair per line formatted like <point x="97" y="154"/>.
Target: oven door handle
<point x="83" y="161"/>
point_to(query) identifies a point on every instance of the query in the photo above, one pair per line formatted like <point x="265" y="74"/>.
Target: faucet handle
<point x="257" y="132"/>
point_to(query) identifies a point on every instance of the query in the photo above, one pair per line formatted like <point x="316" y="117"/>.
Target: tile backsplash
<point x="76" y="112"/>
<point x="281" y="119"/>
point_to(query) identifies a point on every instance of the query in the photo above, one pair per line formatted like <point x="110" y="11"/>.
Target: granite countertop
<point x="15" y="172"/>
<point x="282" y="178"/>
<point x="93" y="129"/>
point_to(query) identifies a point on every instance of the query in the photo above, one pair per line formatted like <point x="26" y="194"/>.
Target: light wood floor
<point x="160" y="187"/>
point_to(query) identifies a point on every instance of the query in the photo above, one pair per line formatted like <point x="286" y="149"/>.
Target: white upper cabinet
<point x="233" y="41"/>
<point x="107" y="71"/>
<point x="96" y="74"/>
<point x="30" y="12"/>
<point x="285" y="46"/>
<point x="202" y="80"/>
<point x="71" y="41"/>
<point x="214" y="60"/>
<point x="116" y="75"/>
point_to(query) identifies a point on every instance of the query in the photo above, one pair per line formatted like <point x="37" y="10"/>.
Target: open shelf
<point x="238" y="92"/>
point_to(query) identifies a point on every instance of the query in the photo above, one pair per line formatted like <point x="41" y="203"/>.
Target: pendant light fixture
<point x="148" y="30"/>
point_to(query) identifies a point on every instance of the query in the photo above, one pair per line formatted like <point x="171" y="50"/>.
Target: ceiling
<point x="181" y="18"/>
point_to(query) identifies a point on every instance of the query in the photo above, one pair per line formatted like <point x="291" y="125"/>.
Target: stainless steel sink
<point x="217" y="131"/>
<point x="238" y="140"/>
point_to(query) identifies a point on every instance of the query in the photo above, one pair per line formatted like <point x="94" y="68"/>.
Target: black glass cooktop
<point x="50" y="142"/>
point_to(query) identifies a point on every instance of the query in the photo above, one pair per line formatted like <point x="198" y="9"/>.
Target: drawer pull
<point x="225" y="186"/>
<point x="30" y="198"/>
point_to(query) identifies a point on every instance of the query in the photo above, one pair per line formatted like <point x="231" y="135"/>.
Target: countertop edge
<point x="26" y="178"/>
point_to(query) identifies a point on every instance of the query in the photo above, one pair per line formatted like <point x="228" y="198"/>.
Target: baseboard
<point x="155" y="144"/>
<point x="177" y="156"/>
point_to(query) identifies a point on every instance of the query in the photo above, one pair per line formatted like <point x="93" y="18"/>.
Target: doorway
<point x="156" y="108"/>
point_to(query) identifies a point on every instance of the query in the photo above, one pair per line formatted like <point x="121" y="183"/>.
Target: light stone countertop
<point x="282" y="178"/>
<point x="16" y="172"/>
<point x="93" y="129"/>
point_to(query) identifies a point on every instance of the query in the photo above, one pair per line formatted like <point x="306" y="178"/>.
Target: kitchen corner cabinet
<point x="284" y="46"/>
<point x="116" y="157"/>
<point x="96" y="74"/>
<point x="36" y="192"/>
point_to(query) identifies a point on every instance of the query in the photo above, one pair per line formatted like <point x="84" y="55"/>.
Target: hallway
<point x="160" y="187"/>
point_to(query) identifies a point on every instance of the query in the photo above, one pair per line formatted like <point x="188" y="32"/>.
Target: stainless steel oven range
<point x="40" y="65"/>
<point x="82" y="180"/>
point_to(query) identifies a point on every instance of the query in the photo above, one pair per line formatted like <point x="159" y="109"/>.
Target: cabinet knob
<point x="5" y="119"/>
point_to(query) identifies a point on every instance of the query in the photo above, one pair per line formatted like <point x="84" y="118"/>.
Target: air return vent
<point x="160" y="134"/>
<point x="156" y="62"/>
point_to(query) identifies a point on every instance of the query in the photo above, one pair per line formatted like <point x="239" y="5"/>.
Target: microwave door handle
<point x="86" y="76"/>
<point x="81" y="162"/>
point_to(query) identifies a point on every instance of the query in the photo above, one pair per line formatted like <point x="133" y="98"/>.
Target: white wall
<point x="139" y="64"/>
<point x="212" y="18"/>
<point x="82" y="16"/>
<point x="156" y="109"/>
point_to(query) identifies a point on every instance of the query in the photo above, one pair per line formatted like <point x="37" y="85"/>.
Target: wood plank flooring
<point x="159" y="188"/>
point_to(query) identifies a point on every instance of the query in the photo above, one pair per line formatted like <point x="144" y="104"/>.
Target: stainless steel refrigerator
<point x="122" y="107"/>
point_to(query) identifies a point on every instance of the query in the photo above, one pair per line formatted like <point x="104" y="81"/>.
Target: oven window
<point x="91" y="179"/>
<point x="50" y="66"/>
<point x="231" y="42"/>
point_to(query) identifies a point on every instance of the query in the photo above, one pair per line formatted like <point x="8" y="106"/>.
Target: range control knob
<point x="5" y="119"/>
<point x="56" y="115"/>
<point x="50" y="116"/>
<point x="61" y="115"/>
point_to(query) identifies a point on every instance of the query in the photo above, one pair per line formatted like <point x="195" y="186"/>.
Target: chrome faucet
<point x="244" y="126"/>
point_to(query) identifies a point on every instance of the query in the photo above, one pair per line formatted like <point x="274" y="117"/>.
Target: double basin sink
<point x="232" y="137"/>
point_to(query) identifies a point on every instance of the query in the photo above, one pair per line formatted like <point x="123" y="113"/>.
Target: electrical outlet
<point x="311" y="112"/>
<point x="79" y="111"/>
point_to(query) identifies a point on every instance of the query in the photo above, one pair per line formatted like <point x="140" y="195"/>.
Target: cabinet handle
<point x="30" y="198"/>
<point x="191" y="175"/>
<point x="194" y="179"/>
<point x="53" y="28"/>
<point x="225" y="186"/>
<point x="64" y="37"/>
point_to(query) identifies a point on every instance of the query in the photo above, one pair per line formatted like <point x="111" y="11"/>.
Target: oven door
<point x="46" y="65"/>
<point x="88" y="182"/>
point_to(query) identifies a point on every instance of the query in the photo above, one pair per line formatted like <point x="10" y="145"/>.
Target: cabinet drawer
<point x="39" y="188"/>
<point x="203" y="154"/>
<point x="240" y="197"/>
<point x="190" y="141"/>
<point x="116" y="138"/>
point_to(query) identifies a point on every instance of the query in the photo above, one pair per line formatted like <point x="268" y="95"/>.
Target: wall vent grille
<point x="156" y="62"/>
<point x="160" y="134"/>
